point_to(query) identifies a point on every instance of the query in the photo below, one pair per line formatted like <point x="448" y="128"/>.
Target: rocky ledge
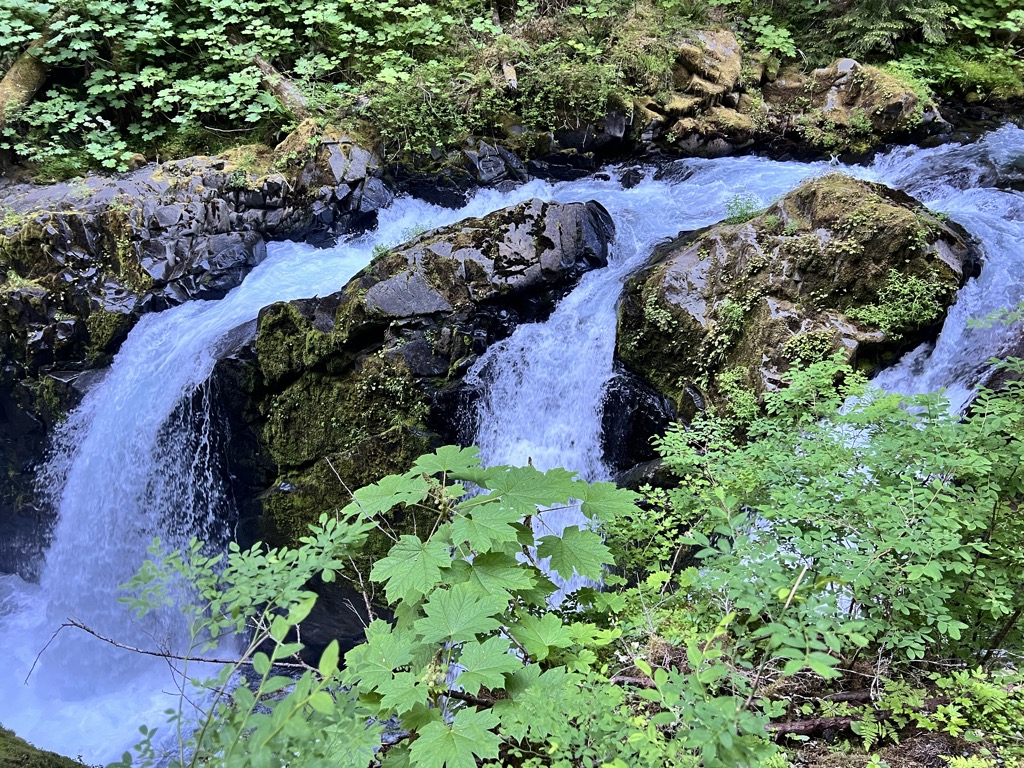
<point x="82" y="261"/>
<point x="838" y="265"/>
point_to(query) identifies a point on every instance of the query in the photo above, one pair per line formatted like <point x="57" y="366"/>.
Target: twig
<point x="72" y="622"/>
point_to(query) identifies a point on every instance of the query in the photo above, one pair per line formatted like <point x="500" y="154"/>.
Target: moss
<point x="24" y="248"/>
<point x="119" y="248"/>
<point x="366" y="416"/>
<point x="18" y="753"/>
<point x="106" y="332"/>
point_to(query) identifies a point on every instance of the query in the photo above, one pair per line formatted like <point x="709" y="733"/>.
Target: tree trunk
<point x="285" y="90"/>
<point x="24" y="79"/>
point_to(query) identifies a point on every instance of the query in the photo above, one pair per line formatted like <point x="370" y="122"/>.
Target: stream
<point x="142" y="455"/>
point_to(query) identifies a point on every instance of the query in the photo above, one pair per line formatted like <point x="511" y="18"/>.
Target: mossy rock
<point x="18" y="753"/>
<point x="346" y="384"/>
<point x="821" y="271"/>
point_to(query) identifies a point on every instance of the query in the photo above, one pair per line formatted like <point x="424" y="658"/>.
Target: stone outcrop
<point x="346" y="388"/>
<point x="81" y="262"/>
<point x="723" y="100"/>
<point x="838" y="265"/>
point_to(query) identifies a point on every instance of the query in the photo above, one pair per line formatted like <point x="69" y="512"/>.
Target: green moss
<point x="809" y="348"/>
<point x="118" y="247"/>
<point x="18" y="753"/>
<point x="106" y="331"/>
<point x="905" y="303"/>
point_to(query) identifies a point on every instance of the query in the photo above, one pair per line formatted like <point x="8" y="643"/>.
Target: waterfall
<point x="136" y="460"/>
<point x="139" y="457"/>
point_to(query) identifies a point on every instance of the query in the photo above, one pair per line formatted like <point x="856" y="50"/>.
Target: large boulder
<point x="838" y="265"/>
<point x="346" y="388"/>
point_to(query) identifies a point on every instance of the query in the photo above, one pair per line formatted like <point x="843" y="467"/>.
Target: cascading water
<point x="134" y="460"/>
<point x="961" y="182"/>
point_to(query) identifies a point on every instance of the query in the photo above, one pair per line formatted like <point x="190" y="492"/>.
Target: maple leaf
<point x="487" y="525"/>
<point x="605" y="501"/>
<point x="373" y="663"/>
<point x="576" y="550"/>
<point x="411" y="568"/>
<point x="486" y="664"/>
<point x="388" y="493"/>
<point x="459" y="613"/>
<point x="448" y="459"/>
<point x="458" y="745"/>
<point x="525" y="488"/>
<point x="539" y="635"/>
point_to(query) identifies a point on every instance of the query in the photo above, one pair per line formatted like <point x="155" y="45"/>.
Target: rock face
<point x="723" y="100"/>
<point x="352" y="386"/>
<point x="838" y="265"/>
<point x="81" y="262"/>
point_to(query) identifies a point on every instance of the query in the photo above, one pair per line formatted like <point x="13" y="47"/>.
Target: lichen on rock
<point x="805" y="278"/>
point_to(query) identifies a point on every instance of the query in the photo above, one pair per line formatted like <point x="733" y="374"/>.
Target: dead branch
<point x="76" y="624"/>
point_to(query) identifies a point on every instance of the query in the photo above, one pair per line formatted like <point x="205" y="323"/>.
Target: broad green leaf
<point x="403" y="692"/>
<point x="486" y="664"/>
<point x="440" y="745"/>
<point x="373" y="663"/>
<point x="485" y="526"/>
<point x="539" y="635"/>
<point x="412" y="568"/>
<point x="497" y="573"/>
<point x="388" y="493"/>
<point x="576" y="549"/>
<point x="525" y="488"/>
<point x="606" y="501"/>
<point x="450" y="459"/>
<point x="459" y="613"/>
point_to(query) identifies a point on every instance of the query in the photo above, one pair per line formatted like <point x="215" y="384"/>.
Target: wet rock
<point x="633" y="414"/>
<point x="82" y="261"/>
<point x="347" y="385"/>
<point x="730" y="308"/>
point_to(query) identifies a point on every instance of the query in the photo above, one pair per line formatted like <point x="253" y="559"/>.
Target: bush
<point x="871" y="532"/>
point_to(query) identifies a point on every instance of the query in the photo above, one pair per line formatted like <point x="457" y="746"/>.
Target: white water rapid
<point x="137" y="460"/>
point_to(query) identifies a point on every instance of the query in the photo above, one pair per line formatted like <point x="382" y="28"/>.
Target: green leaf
<point x="539" y="635"/>
<point x="459" y="613"/>
<point x="525" y="489"/>
<point x="497" y="573"/>
<point x="449" y="459"/>
<point x="486" y="663"/>
<point x="606" y="501"/>
<point x="373" y="663"/>
<point x="403" y="692"/>
<point x="486" y="526"/>
<point x="576" y="550"/>
<point x="412" y="568"/>
<point x="458" y="745"/>
<point x="329" y="659"/>
<point x="388" y="493"/>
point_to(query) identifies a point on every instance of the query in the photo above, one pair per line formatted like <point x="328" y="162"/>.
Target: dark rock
<point x="353" y="384"/>
<point x="631" y="177"/>
<point x="633" y="414"/>
<point x="86" y="259"/>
